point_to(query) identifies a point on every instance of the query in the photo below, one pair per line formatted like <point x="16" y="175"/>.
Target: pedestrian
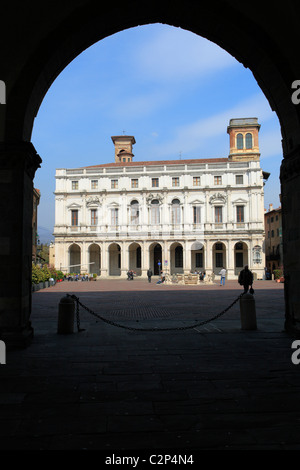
<point x="223" y="275"/>
<point x="246" y="278"/>
<point x="149" y="274"/>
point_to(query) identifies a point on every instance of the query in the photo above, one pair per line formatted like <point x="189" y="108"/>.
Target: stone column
<point x="18" y="162"/>
<point x="145" y="259"/>
<point x="124" y="259"/>
<point x="104" y="260"/>
<point x="290" y="203"/>
<point x="187" y="258"/>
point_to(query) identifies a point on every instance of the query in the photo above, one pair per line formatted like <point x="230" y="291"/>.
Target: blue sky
<point x="174" y="91"/>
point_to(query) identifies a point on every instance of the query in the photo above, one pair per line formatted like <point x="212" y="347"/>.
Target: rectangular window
<point x="74" y="218"/>
<point x="239" y="179"/>
<point x="218" y="214"/>
<point x="196" y="180"/>
<point x="94" y="217"/>
<point x="219" y="260"/>
<point x="74" y="185"/>
<point x="114" y="217"/>
<point x="155" y="182"/>
<point x="138" y="257"/>
<point x="239" y="260"/>
<point x="94" y="184"/>
<point x="154" y="214"/>
<point x="134" y="183"/>
<point x="240" y="214"/>
<point x="114" y="184"/>
<point x="134" y="214"/>
<point x="199" y="260"/>
<point x="217" y="180"/>
<point x="196" y="214"/>
<point x="176" y="214"/>
<point x="175" y="182"/>
<point x="178" y="258"/>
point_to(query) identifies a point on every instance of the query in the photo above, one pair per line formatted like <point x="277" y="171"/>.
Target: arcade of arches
<point x="39" y="39"/>
<point x="115" y="259"/>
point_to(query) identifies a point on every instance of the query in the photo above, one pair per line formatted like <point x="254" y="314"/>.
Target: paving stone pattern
<point x="212" y="387"/>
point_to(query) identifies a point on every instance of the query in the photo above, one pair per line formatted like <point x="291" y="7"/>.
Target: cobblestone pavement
<point x="208" y="387"/>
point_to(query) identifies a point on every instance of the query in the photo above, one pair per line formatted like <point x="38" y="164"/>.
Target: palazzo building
<point x="179" y="216"/>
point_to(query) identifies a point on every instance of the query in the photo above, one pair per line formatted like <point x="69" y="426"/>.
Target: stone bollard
<point x="66" y="315"/>
<point x="248" y="312"/>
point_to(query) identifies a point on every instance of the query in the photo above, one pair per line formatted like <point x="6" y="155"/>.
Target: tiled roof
<point x="160" y="162"/>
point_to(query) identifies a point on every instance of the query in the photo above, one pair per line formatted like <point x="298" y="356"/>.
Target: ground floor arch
<point x="135" y="258"/>
<point x="219" y="257"/>
<point x="197" y="257"/>
<point x="94" y="264"/>
<point x="240" y="256"/>
<point x="155" y="258"/>
<point x="114" y="255"/>
<point x="74" y="259"/>
<point x="176" y="258"/>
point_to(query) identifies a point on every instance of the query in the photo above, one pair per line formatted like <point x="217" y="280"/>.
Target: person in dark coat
<point x="149" y="274"/>
<point x="245" y="278"/>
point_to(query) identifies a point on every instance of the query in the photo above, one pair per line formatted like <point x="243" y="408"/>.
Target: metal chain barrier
<point x="110" y="322"/>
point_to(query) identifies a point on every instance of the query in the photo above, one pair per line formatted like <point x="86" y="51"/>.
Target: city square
<point x="173" y="386"/>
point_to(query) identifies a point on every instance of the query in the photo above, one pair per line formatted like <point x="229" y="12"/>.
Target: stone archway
<point x="114" y="255"/>
<point x="176" y="258"/>
<point x="74" y="259"/>
<point x="218" y="257"/>
<point x="241" y="256"/>
<point x="134" y="258"/>
<point x="94" y="265"/>
<point x="54" y="39"/>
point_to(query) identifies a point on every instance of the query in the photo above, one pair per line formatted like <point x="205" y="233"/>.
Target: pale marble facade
<point x="188" y="215"/>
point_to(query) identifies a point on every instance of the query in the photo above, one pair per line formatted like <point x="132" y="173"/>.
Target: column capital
<point x="20" y="154"/>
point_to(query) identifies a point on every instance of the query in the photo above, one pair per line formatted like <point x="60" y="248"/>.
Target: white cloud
<point x="176" y="54"/>
<point x="270" y="144"/>
<point x="195" y="135"/>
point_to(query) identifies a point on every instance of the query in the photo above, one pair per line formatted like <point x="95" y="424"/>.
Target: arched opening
<point x="134" y="213"/>
<point x="74" y="259"/>
<point x="219" y="257"/>
<point x="176" y="213"/>
<point x="135" y="260"/>
<point x="94" y="259"/>
<point x="197" y="257"/>
<point x="63" y="37"/>
<point x="176" y="258"/>
<point x="155" y="254"/>
<point x="114" y="254"/>
<point x="240" y="256"/>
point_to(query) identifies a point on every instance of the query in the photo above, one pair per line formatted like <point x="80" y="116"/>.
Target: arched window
<point x="134" y="213"/>
<point x="249" y="141"/>
<point x="155" y="212"/>
<point x="239" y="141"/>
<point x="175" y="211"/>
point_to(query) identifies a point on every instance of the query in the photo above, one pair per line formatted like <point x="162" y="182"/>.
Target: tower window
<point x="249" y="141"/>
<point x="239" y="141"/>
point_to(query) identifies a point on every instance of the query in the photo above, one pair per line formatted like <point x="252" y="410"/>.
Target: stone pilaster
<point x="18" y="162"/>
<point x="290" y="202"/>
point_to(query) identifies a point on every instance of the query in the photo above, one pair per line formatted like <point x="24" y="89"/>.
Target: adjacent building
<point x="178" y="216"/>
<point x="273" y="244"/>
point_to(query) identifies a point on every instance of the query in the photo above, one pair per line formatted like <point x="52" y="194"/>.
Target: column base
<point x="17" y="338"/>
